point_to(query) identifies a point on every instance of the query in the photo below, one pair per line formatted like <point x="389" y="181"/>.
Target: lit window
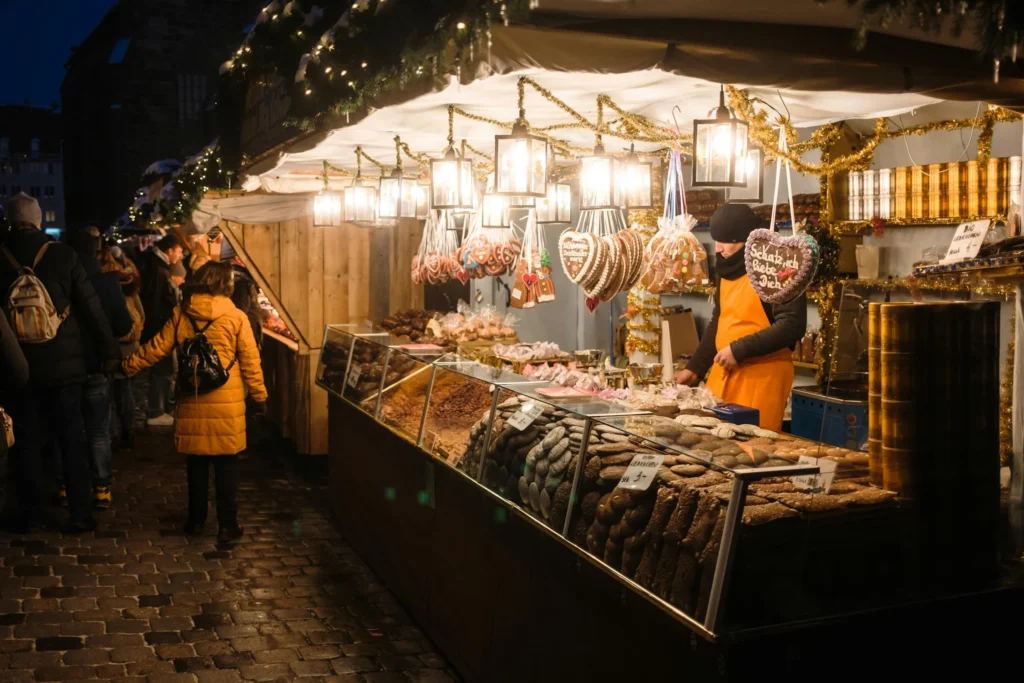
<point x="51" y="216"/>
<point x="35" y="148"/>
<point x="119" y="50"/>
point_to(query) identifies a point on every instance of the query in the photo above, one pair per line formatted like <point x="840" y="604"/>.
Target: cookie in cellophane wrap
<point x="674" y="259"/>
<point x="532" y="283"/>
<point x="434" y="262"/>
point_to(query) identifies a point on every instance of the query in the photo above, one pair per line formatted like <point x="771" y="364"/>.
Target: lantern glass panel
<point x="718" y="144"/>
<point x="597" y="183"/>
<point x="451" y="183"/>
<point x="636" y="184"/>
<point x="407" y="202"/>
<point x="327" y="209"/>
<point x="390" y="194"/>
<point x="522" y="165"/>
<point x="360" y="204"/>
<point x="494" y="211"/>
<point x="422" y="193"/>
<point x="555" y="207"/>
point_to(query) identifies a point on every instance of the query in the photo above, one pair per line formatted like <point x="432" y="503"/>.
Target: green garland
<point x="388" y="45"/>
<point x="998" y="24"/>
<point x="192" y="182"/>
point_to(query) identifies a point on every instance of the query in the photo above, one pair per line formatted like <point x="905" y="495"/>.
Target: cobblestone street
<point x="139" y="601"/>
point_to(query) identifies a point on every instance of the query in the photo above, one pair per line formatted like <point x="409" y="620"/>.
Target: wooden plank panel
<point x="295" y="274"/>
<point x="399" y="275"/>
<point x="358" y="273"/>
<point x="413" y="237"/>
<point x="261" y="245"/>
<point x="315" y="275"/>
<point x="381" y="254"/>
<point x="317" y="409"/>
<point x="336" y="282"/>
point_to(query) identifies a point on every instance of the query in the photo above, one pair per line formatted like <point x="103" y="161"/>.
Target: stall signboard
<point x="966" y="241"/>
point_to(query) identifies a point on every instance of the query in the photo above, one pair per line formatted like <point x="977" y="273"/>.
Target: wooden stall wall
<point x="316" y="277"/>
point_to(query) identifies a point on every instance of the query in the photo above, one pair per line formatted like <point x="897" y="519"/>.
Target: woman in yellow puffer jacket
<point x="210" y="427"/>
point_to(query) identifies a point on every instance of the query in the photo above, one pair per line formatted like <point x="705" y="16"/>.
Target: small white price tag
<point x="525" y="416"/>
<point x="368" y="324"/>
<point x="353" y="374"/>
<point x="966" y="241"/>
<point x="641" y="472"/>
<point x="816" y="483"/>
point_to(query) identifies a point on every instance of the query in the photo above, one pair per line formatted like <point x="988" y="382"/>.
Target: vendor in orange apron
<point x="747" y="344"/>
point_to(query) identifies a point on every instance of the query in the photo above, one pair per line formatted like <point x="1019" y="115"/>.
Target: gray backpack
<point x="30" y="310"/>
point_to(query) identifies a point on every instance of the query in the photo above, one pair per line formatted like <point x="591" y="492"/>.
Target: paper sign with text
<point x="525" y="416"/>
<point x="353" y="375"/>
<point x="641" y="472"/>
<point x="967" y="241"/>
<point x="816" y="483"/>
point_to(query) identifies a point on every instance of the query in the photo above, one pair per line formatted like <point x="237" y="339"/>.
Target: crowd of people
<point x="81" y="318"/>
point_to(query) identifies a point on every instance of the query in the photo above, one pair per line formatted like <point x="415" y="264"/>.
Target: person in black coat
<point x="52" y="400"/>
<point x="13" y="366"/>
<point x="97" y="397"/>
<point x="159" y="297"/>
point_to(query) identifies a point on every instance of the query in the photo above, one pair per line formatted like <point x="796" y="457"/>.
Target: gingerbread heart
<point x="577" y="251"/>
<point x="592" y="303"/>
<point x="780" y="268"/>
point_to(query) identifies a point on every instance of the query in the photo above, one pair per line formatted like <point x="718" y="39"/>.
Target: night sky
<point x="37" y="35"/>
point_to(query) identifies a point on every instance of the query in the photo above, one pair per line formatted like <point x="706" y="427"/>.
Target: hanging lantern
<point x="521" y="159"/>
<point x="326" y="206"/>
<point x="360" y="199"/>
<point x="753" y="173"/>
<point x="597" y="180"/>
<point x="633" y="182"/>
<point x="397" y="194"/>
<point x="719" y="148"/>
<point x="556" y="207"/>
<point x="451" y="182"/>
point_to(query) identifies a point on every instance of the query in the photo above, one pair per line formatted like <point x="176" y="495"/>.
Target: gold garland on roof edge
<point x="766" y="135"/>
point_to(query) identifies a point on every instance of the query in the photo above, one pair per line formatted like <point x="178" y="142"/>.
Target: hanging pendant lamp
<point x="326" y="205"/>
<point x="719" y="148"/>
<point x="520" y="159"/>
<point x="360" y="198"/>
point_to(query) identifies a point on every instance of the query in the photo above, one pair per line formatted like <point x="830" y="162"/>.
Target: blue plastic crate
<point x="835" y="421"/>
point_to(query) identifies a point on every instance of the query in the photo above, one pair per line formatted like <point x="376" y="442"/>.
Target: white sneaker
<point x="164" y="420"/>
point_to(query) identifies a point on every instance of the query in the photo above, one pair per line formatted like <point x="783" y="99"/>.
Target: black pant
<point x="39" y="414"/>
<point x="226" y="469"/>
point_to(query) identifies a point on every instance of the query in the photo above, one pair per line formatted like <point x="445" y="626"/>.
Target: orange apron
<point x="764" y="382"/>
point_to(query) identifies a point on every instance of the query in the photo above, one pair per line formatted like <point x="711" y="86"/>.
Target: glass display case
<point x="710" y="518"/>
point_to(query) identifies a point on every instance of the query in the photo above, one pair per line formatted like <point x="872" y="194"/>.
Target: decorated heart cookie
<point x="780" y="268"/>
<point x="578" y="251"/>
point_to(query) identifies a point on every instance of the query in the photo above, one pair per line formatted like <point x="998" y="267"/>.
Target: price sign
<point x="641" y="472"/>
<point x="967" y="241"/>
<point x="816" y="483"/>
<point x="525" y="416"/>
<point x="353" y="375"/>
<point x="368" y="324"/>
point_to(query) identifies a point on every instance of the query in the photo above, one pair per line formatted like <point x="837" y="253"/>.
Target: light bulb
<point x="721" y="140"/>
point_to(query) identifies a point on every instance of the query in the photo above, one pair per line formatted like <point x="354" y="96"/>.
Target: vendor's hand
<point x="726" y="359"/>
<point x="687" y="377"/>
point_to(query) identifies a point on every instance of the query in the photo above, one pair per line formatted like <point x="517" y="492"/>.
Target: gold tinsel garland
<point x="639" y="301"/>
<point x="766" y="135"/>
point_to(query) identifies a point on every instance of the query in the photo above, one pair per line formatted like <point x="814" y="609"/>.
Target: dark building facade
<point x="31" y="159"/>
<point x="141" y="87"/>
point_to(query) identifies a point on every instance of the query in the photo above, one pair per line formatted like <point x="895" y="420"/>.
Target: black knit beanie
<point x="733" y="223"/>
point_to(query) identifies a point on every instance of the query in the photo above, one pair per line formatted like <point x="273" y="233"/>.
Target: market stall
<point x="564" y="164"/>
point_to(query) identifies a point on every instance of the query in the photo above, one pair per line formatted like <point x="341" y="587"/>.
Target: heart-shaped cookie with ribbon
<point x="577" y="250"/>
<point x="780" y="268"/>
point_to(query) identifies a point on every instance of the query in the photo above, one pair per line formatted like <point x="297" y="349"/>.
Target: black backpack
<point x="199" y="368"/>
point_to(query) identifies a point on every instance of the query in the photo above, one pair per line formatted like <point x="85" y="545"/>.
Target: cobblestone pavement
<point x="139" y="601"/>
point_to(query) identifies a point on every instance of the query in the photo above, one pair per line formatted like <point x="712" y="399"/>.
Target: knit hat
<point x="178" y="269"/>
<point x="733" y="223"/>
<point x="23" y="210"/>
